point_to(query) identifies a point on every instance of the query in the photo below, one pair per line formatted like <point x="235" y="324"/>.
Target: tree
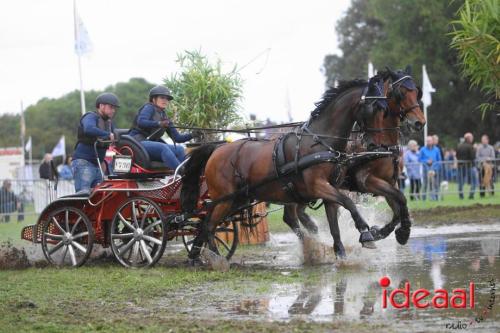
<point x="475" y="37"/>
<point x="205" y="96"/>
<point x="414" y="32"/>
<point x="50" y="118"/>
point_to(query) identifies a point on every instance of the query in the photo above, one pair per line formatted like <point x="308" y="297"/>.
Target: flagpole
<point x="82" y="94"/>
<point x="427" y="122"/>
<point x="31" y="151"/>
<point x="23" y="129"/>
<point x="77" y="34"/>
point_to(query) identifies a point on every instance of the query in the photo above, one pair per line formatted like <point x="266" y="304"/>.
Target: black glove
<point x="164" y="123"/>
<point x="197" y="134"/>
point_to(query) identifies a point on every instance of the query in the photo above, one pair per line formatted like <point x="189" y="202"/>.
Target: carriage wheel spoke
<point x="81" y="234"/>
<point x="55" y="248"/>
<point x="72" y="255"/>
<point x="66" y="220"/>
<point x="151" y="226"/>
<point x="145" y="215"/>
<point x="58" y="225"/>
<point x="145" y="252"/>
<point x="122" y="236"/>
<point x="76" y="223"/>
<point x="134" y="215"/>
<point x="223" y="243"/>
<point x="79" y="247"/>
<point x="135" y="251"/>
<point x="52" y="236"/>
<point x="126" y="247"/>
<point x="64" y="255"/>
<point x="124" y="221"/>
<point x="152" y="239"/>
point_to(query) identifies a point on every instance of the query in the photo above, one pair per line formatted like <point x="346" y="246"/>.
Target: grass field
<point x="103" y="296"/>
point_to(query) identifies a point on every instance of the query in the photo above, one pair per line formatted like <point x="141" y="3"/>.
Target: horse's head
<point x="403" y="98"/>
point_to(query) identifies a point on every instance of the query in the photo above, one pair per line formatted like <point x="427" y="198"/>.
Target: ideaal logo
<point x="422" y="298"/>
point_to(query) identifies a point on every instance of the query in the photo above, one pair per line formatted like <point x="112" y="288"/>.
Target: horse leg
<point x="333" y="221"/>
<point x="291" y="219"/>
<point x="324" y="190"/>
<point x="306" y="220"/>
<point x="397" y="201"/>
<point x="220" y="212"/>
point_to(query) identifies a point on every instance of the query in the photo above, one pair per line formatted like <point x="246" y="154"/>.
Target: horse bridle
<point x="396" y="91"/>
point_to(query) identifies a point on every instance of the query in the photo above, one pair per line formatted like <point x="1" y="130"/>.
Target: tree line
<point x="397" y="33"/>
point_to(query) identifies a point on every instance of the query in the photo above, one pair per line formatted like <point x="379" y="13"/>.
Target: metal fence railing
<point x="463" y="178"/>
<point x="423" y="182"/>
<point x="21" y="197"/>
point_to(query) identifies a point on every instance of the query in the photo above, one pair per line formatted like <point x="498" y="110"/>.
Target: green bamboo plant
<point x="475" y="36"/>
<point x="205" y="96"/>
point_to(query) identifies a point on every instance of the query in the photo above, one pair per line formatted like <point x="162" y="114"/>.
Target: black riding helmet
<point x="160" y="91"/>
<point x="107" y="98"/>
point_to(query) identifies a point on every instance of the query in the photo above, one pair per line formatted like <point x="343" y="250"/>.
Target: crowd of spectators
<point x="431" y="168"/>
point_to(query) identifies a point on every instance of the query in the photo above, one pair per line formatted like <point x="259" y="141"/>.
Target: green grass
<point x="110" y="298"/>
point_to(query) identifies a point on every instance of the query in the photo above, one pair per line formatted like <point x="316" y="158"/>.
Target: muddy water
<point x="445" y="257"/>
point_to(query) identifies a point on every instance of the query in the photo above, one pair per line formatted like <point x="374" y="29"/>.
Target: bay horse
<point x="380" y="133"/>
<point x="245" y="170"/>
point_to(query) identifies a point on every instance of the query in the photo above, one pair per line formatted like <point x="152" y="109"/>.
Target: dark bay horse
<point x="379" y="177"/>
<point x="245" y="170"/>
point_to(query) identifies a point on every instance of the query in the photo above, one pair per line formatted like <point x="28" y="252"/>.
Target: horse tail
<point x="192" y="172"/>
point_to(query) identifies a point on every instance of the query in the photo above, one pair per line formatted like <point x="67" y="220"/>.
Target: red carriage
<point x="135" y="211"/>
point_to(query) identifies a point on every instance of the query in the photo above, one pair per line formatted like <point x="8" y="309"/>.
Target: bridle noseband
<point x="399" y="96"/>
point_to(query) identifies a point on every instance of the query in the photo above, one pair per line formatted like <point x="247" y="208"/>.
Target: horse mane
<point x="332" y="93"/>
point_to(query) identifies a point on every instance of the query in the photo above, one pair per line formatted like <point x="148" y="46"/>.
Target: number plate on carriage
<point x="122" y="164"/>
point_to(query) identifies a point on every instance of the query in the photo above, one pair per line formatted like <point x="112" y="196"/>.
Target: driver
<point x="93" y="126"/>
<point x="152" y="122"/>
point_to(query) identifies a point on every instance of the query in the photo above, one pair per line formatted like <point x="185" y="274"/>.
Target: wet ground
<point x="442" y="257"/>
<point x="447" y="257"/>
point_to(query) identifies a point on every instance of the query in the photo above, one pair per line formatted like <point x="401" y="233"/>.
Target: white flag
<point x="371" y="71"/>
<point x="27" y="147"/>
<point x="427" y="88"/>
<point x="60" y="148"/>
<point x="82" y="40"/>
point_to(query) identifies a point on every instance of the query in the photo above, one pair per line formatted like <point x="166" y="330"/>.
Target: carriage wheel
<point x="226" y="238"/>
<point x="138" y="233"/>
<point x="67" y="237"/>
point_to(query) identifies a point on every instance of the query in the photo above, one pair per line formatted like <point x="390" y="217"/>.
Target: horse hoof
<point x="375" y="231"/>
<point x="369" y="245"/>
<point x="339" y="252"/>
<point x="402" y="235"/>
<point x="366" y="236"/>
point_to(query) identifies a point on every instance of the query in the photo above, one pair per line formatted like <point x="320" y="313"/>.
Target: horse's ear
<point x="408" y="69"/>
<point x="419" y="93"/>
<point x="390" y="71"/>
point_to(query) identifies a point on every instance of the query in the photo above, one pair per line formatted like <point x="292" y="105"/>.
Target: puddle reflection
<point x="431" y="262"/>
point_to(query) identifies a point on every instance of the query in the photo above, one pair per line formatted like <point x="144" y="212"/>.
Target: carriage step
<point x="29" y="233"/>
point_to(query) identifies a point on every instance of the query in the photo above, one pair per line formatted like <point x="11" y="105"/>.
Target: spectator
<point x="47" y="169"/>
<point x="413" y="169"/>
<point x="485" y="154"/>
<point x="8" y="201"/>
<point x="430" y="158"/>
<point x="65" y="172"/>
<point x="441" y="173"/>
<point x="450" y="159"/>
<point x="466" y="168"/>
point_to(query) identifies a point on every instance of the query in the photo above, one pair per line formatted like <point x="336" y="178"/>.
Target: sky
<point x="279" y="46"/>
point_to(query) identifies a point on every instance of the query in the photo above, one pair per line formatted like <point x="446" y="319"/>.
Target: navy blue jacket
<point x="144" y="120"/>
<point x="85" y="151"/>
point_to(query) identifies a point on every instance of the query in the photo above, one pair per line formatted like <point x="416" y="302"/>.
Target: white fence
<point x="24" y="197"/>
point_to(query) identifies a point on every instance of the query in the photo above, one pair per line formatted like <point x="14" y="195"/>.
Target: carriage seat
<point x="127" y="145"/>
